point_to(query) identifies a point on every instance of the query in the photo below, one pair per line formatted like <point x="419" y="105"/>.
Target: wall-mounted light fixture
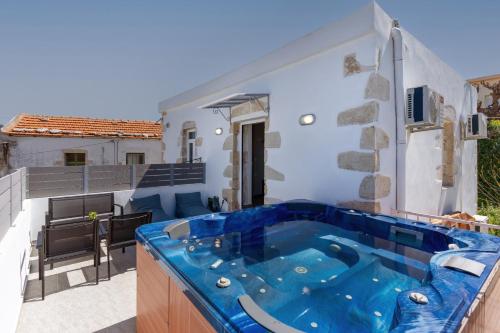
<point x="307" y="119"/>
<point x="218" y="131"/>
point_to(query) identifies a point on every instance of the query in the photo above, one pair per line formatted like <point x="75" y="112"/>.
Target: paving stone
<point x="74" y="303"/>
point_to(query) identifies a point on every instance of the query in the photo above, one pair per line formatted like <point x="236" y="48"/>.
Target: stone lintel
<point x="188" y="125"/>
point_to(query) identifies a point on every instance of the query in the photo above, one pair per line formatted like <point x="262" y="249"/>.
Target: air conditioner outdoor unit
<point x="476" y="127"/>
<point x="423" y="107"/>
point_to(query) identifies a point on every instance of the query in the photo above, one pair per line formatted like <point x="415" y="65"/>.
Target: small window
<point x="74" y="159"/>
<point x="135" y="158"/>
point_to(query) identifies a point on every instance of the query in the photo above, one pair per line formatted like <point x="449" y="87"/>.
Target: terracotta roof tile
<point x="63" y="126"/>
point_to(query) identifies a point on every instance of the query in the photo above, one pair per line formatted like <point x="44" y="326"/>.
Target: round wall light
<point x="218" y="131"/>
<point x="307" y="119"/>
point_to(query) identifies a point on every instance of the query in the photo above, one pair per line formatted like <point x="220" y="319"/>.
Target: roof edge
<point x="11" y="123"/>
<point x="356" y="25"/>
<point x="484" y="78"/>
<point x="133" y="129"/>
<point x="83" y="136"/>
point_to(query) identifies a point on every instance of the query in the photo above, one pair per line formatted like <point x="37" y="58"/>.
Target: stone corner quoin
<point x="364" y="114"/>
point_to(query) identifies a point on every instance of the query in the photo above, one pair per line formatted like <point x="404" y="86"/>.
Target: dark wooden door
<point x="258" y="184"/>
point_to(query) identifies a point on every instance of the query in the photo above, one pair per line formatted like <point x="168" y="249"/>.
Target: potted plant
<point x="92" y="216"/>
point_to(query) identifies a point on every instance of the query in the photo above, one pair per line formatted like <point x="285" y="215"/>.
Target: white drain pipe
<point x="399" y="112"/>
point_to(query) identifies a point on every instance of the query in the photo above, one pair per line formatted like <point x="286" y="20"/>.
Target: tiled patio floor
<point x="73" y="303"/>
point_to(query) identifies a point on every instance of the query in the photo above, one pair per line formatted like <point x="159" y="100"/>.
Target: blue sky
<point x="118" y="59"/>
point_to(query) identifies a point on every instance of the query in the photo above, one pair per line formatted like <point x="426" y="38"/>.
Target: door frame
<point x="188" y="144"/>
<point x="241" y="124"/>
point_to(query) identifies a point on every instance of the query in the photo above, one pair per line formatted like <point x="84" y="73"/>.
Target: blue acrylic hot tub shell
<point x="450" y="292"/>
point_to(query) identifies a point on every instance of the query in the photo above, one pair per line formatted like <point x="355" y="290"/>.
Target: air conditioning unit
<point x="423" y="107"/>
<point x="476" y="127"/>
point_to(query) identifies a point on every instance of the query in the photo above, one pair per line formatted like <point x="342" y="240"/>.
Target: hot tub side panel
<point x="161" y="303"/>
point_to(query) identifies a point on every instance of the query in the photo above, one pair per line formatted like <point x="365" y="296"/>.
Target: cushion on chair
<point x="150" y="204"/>
<point x="160" y="215"/>
<point x="189" y="204"/>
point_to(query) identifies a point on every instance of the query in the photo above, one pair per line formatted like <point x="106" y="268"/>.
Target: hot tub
<point x="304" y="266"/>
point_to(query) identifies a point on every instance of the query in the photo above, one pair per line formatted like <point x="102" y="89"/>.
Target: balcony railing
<point x="57" y="181"/>
<point x="447" y="221"/>
<point x="12" y="194"/>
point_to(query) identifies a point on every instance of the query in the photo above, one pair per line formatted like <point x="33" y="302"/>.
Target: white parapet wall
<point x="14" y="267"/>
<point x="39" y="206"/>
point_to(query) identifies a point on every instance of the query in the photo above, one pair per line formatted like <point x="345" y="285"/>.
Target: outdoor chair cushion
<point x="150" y="204"/>
<point x="189" y="204"/>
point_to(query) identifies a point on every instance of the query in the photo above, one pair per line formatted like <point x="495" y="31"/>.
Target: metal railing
<point x="57" y="181"/>
<point x="12" y="194"/>
<point x="446" y="221"/>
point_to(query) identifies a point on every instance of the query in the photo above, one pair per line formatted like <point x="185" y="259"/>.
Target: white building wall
<point x="42" y="151"/>
<point x="424" y="190"/>
<point x="308" y="154"/>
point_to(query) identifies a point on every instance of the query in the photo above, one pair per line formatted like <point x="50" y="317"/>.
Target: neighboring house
<point x="324" y="118"/>
<point x="71" y="141"/>
<point x="4" y="153"/>
<point x="488" y="94"/>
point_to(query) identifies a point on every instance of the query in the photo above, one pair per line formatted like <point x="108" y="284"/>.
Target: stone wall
<point x="374" y="185"/>
<point x="232" y="171"/>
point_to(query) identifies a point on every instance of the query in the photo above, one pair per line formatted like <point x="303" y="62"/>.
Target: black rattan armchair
<point x="68" y="241"/>
<point x="121" y="231"/>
